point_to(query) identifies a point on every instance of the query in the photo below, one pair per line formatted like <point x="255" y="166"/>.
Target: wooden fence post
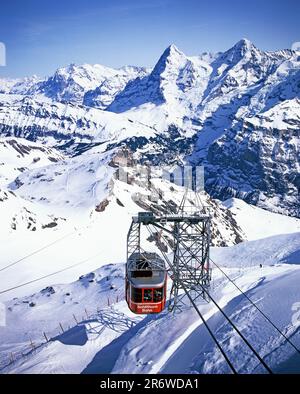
<point x="47" y="340"/>
<point x="32" y="344"/>
<point x="61" y="327"/>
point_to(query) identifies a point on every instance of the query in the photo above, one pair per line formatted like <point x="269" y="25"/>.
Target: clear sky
<point x="42" y="35"/>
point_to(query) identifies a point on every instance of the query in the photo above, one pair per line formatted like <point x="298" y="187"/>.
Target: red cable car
<point x="146" y="283"/>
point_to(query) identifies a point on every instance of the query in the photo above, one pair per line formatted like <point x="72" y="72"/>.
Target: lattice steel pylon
<point x="190" y="265"/>
<point x="189" y="261"/>
<point x="133" y="239"/>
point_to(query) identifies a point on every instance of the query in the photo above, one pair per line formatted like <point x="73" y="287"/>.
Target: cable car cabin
<point x="146" y="282"/>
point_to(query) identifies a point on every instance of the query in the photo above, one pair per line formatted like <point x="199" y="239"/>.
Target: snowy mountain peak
<point x="243" y="49"/>
<point x="172" y="49"/>
<point x="244" y="45"/>
<point x="170" y="56"/>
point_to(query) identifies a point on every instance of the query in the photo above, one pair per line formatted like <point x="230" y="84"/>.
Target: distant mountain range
<point x="237" y="113"/>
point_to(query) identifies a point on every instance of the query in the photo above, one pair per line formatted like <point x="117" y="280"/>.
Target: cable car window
<point x="147" y="295"/>
<point x="141" y="274"/>
<point x="136" y="294"/>
<point x="158" y="294"/>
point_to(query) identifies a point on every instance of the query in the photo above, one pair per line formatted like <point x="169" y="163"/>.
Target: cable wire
<point x="231" y="323"/>
<point x="36" y="251"/>
<point x="201" y="316"/>
<point x="48" y="275"/>
<point x="253" y="304"/>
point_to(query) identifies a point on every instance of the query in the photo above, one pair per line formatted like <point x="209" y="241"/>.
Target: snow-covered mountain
<point x="18" y="86"/>
<point x="71" y="83"/>
<point x="103" y="95"/>
<point x="71" y="146"/>
<point x="257" y="223"/>
<point x="236" y="113"/>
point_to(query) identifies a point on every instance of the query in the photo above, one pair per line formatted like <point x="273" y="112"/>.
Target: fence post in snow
<point x="61" y="327"/>
<point x="47" y="340"/>
<point x="86" y="312"/>
<point x="75" y="318"/>
<point x="32" y="344"/>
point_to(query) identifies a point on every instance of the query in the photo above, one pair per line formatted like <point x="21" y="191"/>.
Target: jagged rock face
<point x="259" y="161"/>
<point x="173" y="77"/>
<point x="162" y="198"/>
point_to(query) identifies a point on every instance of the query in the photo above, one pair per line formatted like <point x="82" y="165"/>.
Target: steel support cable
<point x="220" y="309"/>
<point x="48" y="275"/>
<point x="37" y="251"/>
<point x="200" y="315"/>
<point x="230" y="322"/>
<point x="253" y="304"/>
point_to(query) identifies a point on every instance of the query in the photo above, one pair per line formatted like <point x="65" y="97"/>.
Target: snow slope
<point x="111" y="339"/>
<point x="273" y="292"/>
<point x="259" y="223"/>
<point x="279" y="249"/>
<point x="17" y="155"/>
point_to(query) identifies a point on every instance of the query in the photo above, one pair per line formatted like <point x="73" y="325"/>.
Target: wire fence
<point x="45" y="337"/>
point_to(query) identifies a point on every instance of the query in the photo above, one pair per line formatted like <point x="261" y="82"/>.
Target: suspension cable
<point x="48" y="275"/>
<point x="200" y="315"/>
<point x="230" y="322"/>
<point x="37" y="251"/>
<point x="253" y="304"/>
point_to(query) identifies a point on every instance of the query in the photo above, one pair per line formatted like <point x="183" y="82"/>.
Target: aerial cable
<point x="48" y="275"/>
<point x="37" y="251"/>
<point x="253" y="304"/>
<point x="201" y="317"/>
<point x="229" y="321"/>
<point x="233" y="325"/>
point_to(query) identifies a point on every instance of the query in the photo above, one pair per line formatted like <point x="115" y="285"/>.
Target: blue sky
<point x="42" y="35"/>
